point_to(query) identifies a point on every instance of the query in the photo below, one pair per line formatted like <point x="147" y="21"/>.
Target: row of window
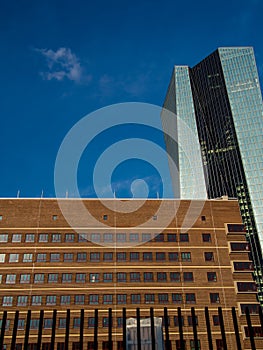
<point x="95" y="299"/>
<point x="97" y="256"/>
<point x="98" y="237"/>
<point x="105" y="277"/>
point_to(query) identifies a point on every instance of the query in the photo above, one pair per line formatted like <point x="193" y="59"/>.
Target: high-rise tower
<point x="228" y="114"/>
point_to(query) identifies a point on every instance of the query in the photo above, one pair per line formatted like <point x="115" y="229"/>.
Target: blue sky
<point x="60" y="60"/>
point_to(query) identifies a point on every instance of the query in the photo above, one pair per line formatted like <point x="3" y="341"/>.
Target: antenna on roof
<point x="18" y="194"/>
<point x="66" y="193"/>
<point x="42" y="193"/>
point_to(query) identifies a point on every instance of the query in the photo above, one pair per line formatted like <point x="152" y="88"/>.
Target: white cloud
<point x="63" y="64"/>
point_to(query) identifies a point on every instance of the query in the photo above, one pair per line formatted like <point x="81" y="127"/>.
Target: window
<point x="68" y="257"/>
<point x="105" y="322"/>
<point x="105" y="217"/>
<point x="211" y="276"/>
<point x="91" y="322"/>
<point x="243" y="266"/>
<point x="1" y="217"/>
<point x="246" y="287"/>
<point x="119" y="322"/>
<point x="216" y="320"/>
<point x="135" y="276"/>
<point x="79" y="299"/>
<point x="184" y="237"/>
<point x="159" y="238"/>
<point x="94" y="277"/>
<point x="186" y="257"/>
<point x="62" y="323"/>
<point x="34" y="323"/>
<point x="257" y="332"/>
<point x="148" y="276"/>
<point x="3" y="238"/>
<point x="134" y="256"/>
<point x="190" y="320"/>
<point x="161" y="277"/>
<point x="25" y="278"/>
<point x="30" y="237"/>
<point x="54" y="217"/>
<point x="82" y="257"/>
<point x="107" y="277"/>
<point x="95" y="237"/>
<point x="253" y="308"/>
<point x="52" y="277"/>
<point x="121" y="237"/>
<point x="147" y="256"/>
<point x="16" y="237"/>
<point x="175" y="276"/>
<point x="13" y="258"/>
<point x="10" y="279"/>
<point x="76" y="322"/>
<point x="2" y="258"/>
<point x="80" y="277"/>
<point x="21" y="324"/>
<point x="206" y="237"/>
<point x="236" y="228"/>
<point x="54" y="257"/>
<point x="36" y="300"/>
<point x="121" y="256"/>
<point x="203" y="218"/>
<point x="22" y="300"/>
<point x="69" y="237"/>
<point x="48" y="322"/>
<point x="107" y="238"/>
<point x="51" y="300"/>
<point x="163" y="298"/>
<point x="149" y="298"/>
<point x="176" y="321"/>
<point x="27" y="257"/>
<point x="239" y="246"/>
<point x="107" y="298"/>
<point x="121" y="277"/>
<point x="192" y="345"/>
<point x="214" y="298"/>
<point x="39" y="278"/>
<point x="209" y="256"/>
<point x="160" y="256"/>
<point x="155" y="217"/>
<point x="107" y="256"/>
<point x="93" y="299"/>
<point x="146" y="237"/>
<point x="65" y="300"/>
<point x="1" y="277"/>
<point x="43" y="238"/>
<point x="135" y="298"/>
<point x="121" y="298"/>
<point x="171" y="237"/>
<point x="173" y="256"/>
<point x="83" y="237"/>
<point x="188" y="277"/>
<point x="56" y="237"/>
<point x="94" y="257"/>
<point x="134" y="237"/>
<point x="66" y="277"/>
<point x="41" y="257"/>
<point x="190" y="298"/>
<point x="7" y="301"/>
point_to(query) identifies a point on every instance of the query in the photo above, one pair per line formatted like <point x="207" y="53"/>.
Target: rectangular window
<point x="91" y="322"/>
<point x="239" y="246"/>
<point x="81" y="257"/>
<point x="34" y="324"/>
<point x="148" y="276"/>
<point x="93" y="299"/>
<point x="257" y="332"/>
<point x="192" y="345"/>
<point x="16" y="238"/>
<point x="51" y="300"/>
<point x="25" y="278"/>
<point x="134" y="237"/>
<point x="76" y="322"/>
<point x="10" y="279"/>
<point x="146" y="237"/>
<point x="22" y="300"/>
<point x="190" y="298"/>
<point x="206" y="237"/>
<point x="30" y="238"/>
<point x="211" y="276"/>
<point x="94" y="277"/>
<point x="21" y="324"/>
<point x="107" y="298"/>
<point x="243" y="266"/>
<point x="107" y="277"/>
<point x="236" y="228"/>
<point x="119" y="322"/>
<point x="149" y="298"/>
<point x="135" y="277"/>
<point x="48" y="323"/>
<point x="54" y="257"/>
<point x="36" y="300"/>
<point x="163" y="298"/>
<point x="108" y="238"/>
<point x="121" y="237"/>
<point x="214" y="298"/>
<point x="184" y="237"/>
<point x="171" y="237"/>
<point x="121" y="256"/>
<point x="186" y="257"/>
<point x="147" y="256"/>
<point x="176" y="321"/>
<point x="43" y="238"/>
<point x="246" y="287"/>
<point x="80" y="277"/>
<point x="41" y="257"/>
<point x="62" y="323"/>
<point x="175" y="277"/>
<point x="160" y="256"/>
<point x="121" y="277"/>
<point x="161" y="277"/>
<point x="79" y="299"/>
<point x="216" y="321"/>
<point x="173" y="256"/>
<point x="39" y="278"/>
<point x="56" y="237"/>
<point x="190" y="320"/>
<point x="159" y="238"/>
<point x="52" y="277"/>
<point x="2" y="258"/>
<point x="105" y="322"/>
<point x="252" y="308"/>
<point x="7" y="301"/>
<point x="68" y="257"/>
<point x="188" y="277"/>
<point x="95" y="237"/>
<point x="134" y="256"/>
<point x="209" y="256"/>
<point x="3" y="238"/>
<point x="121" y="298"/>
<point x="83" y="237"/>
<point x="94" y="257"/>
<point x="66" y="277"/>
<point x="27" y="257"/>
<point x="65" y="300"/>
<point x="135" y="298"/>
<point x="13" y="258"/>
<point x="69" y="237"/>
<point x="107" y="256"/>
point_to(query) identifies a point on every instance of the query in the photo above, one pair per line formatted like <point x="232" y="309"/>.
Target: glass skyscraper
<point x="225" y="105"/>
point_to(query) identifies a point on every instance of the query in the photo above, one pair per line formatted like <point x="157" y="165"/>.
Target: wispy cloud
<point x="63" y="64"/>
